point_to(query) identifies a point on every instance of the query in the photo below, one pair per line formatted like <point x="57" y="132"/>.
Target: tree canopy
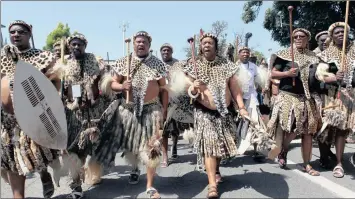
<point x="315" y="16"/>
<point x="59" y="32"/>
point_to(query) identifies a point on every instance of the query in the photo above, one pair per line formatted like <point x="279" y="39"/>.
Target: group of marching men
<point x="140" y="101"/>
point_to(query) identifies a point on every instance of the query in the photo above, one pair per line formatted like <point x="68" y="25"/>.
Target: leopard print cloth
<point x="333" y="55"/>
<point x="141" y="72"/>
<point x="82" y="72"/>
<point x="215" y="75"/>
<point x="20" y="154"/>
<point x="290" y="110"/>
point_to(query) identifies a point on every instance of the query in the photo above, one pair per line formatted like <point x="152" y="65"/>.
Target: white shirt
<point x="252" y="71"/>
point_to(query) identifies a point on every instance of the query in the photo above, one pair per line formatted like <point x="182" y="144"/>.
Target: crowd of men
<point x="211" y="101"/>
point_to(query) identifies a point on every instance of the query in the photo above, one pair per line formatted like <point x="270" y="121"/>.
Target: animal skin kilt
<point x="295" y="112"/>
<point x="342" y="117"/>
<point x="134" y="127"/>
<point x="20" y="154"/>
<point x="121" y="129"/>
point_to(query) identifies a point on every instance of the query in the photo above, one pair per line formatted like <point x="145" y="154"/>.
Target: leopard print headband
<point x="58" y="43"/>
<point x="77" y="36"/>
<point x="334" y="25"/>
<point x="309" y="35"/>
<point x="144" y="34"/>
<point x="166" y="45"/>
<point x="208" y="35"/>
<point x="320" y="34"/>
<point x="243" y="48"/>
<point x="22" y="23"/>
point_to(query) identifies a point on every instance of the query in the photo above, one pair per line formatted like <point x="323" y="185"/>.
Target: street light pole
<point x="124" y="27"/>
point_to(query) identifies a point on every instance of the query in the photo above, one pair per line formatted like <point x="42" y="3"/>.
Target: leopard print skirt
<point x="77" y="123"/>
<point x="294" y="113"/>
<point x="214" y="135"/>
<point x="20" y="154"/>
<point x="122" y="130"/>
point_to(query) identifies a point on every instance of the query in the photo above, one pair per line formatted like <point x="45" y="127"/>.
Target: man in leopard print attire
<point x="20" y="154"/>
<point x="295" y="110"/>
<point x="214" y="88"/>
<point x="338" y="122"/>
<point x="321" y="39"/>
<point x="179" y="108"/>
<point x="84" y="107"/>
<point x="57" y="49"/>
<point x="134" y="122"/>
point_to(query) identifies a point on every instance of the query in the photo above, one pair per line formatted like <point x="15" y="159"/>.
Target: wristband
<point x="190" y="93"/>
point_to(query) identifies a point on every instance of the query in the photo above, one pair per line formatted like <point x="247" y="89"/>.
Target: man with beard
<point x="214" y="88"/>
<point x="321" y="39"/>
<point x="295" y="111"/>
<point x="179" y="108"/>
<point x="84" y="107"/>
<point x="134" y="122"/>
<point x="339" y="121"/>
<point x="16" y="163"/>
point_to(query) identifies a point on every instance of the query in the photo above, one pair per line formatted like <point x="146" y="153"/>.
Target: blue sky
<point x="171" y="22"/>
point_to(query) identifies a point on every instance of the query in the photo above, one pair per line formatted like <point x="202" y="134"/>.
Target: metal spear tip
<point x="290" y="8"/>
<point x="127" y="40"/>
<point x="190" y="40"/>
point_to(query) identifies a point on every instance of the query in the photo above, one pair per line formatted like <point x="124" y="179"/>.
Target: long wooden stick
<point x="345" y="38"/>
<point x="290" y="9"/>
<point x="128" y="41"/>
<point x="192" y="45"/>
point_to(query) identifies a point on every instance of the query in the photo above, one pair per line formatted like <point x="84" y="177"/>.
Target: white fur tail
<point x="105" y="85"/>
<point x="262" y="76"/>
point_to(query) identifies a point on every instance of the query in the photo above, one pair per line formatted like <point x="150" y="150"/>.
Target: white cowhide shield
<point x="38" y="108"/>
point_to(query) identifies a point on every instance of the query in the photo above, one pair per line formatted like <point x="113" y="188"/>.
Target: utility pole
<point x="124" y="27"/>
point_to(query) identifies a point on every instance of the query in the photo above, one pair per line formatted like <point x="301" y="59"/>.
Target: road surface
<point x="243" y="178"/>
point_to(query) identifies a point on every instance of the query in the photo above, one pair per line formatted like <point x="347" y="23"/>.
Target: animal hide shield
<point x="38" y="108"/>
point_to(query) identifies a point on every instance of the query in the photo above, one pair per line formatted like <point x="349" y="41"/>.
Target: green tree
<point x="314" y="16"/>
<point x="259" y="56"/>
<point x="219" y="29"/>
<point x="59" y="32"/>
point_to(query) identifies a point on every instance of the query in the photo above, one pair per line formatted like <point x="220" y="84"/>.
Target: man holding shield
<point x="20" y="154"/>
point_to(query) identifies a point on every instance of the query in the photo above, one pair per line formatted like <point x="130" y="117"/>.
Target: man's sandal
<point x="153" y="193"/>
<point x="164" y="164"/>
<point x="308" y="169"/>
<point x="338" y="172"/>
<point x="212" y="192"/>
<point x="134" y="177"/>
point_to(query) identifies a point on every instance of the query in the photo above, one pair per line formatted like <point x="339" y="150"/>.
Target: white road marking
<point x="331" y="186"/>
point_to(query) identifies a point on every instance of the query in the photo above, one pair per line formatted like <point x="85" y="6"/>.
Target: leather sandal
<point x="212" y="192"/>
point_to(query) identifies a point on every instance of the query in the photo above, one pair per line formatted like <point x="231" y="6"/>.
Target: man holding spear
<point x="337" y="70"/>
<point x="134" y="123"/>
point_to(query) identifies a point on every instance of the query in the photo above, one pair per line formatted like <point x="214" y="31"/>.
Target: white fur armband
<point x="322" y="72"/>
<point x="190" y="93"/>
<point x="105" y="85"/>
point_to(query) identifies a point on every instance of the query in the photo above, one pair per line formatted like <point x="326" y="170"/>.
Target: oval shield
<point x="38" y="108"/>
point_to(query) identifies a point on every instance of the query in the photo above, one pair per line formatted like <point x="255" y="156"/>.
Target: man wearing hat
<point x="180" y="109"/>
<point x="321" y="39"/>
<point x="134" y="122"/>
<point x="338" y="122"/>
<point x="20" y="154"/>
<point x="84" y="107"/>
